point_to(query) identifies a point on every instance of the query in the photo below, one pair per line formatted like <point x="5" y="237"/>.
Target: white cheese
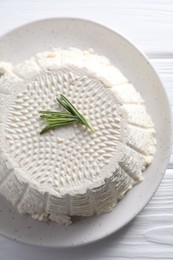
<point x="5" y="67"/>
<point x="71" y="171"/>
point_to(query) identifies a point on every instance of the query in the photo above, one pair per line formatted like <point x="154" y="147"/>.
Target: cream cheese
<point x="70" y="171"/>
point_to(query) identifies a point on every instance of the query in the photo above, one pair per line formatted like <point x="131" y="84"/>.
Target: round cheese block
<point x="71" y="171"/>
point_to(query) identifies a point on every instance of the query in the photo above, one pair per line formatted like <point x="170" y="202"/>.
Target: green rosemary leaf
<point x="57" y="116"/>
<point x="52" y="126"/>
<point x="65" y="105"/>
<point x="55" y="119"/>
<point x="59" y="120"/>
<point x="74" y="111"/>
<point x="53" y="113"/>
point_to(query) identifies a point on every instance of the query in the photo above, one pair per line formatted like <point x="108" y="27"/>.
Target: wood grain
<point x="149" y="24"/>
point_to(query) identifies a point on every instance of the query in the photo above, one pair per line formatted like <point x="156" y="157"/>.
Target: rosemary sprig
<point x="55" y="119"/>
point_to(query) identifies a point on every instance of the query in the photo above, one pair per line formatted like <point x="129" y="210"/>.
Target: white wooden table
<point x="149" y="24"/>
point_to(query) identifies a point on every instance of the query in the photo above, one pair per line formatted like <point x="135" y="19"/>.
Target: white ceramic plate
<point x="29" y="39"/>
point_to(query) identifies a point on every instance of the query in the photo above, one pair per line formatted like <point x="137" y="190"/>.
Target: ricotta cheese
<point x="71" y="171"/>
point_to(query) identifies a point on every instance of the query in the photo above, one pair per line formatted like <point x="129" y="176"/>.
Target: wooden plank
<point x="146" y="23"/>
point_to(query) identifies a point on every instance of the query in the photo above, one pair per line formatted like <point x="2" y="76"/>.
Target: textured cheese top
<point x="70" y="170"/>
